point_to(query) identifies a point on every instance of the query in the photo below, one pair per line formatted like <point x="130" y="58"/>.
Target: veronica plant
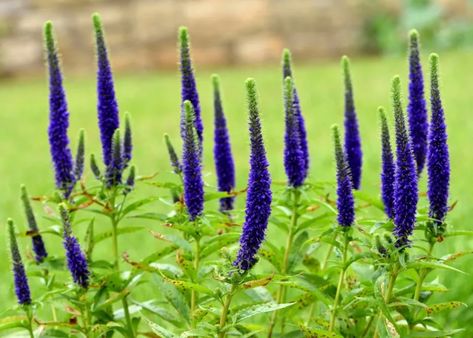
<point x="304" y="258"/>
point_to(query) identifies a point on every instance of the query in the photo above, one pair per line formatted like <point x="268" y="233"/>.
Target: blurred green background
<point x="152" y="98"/>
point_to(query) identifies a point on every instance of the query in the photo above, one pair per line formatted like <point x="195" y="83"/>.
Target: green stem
<point x="388" y="294"/>
<point x="194" y="294"/>
<point x="340" y="284"/>
<point x="329" y="253"/>
<point x="422" y="274"/>
<point x="128" y="317"/>
<point x="368" y="326"/>
<point x="226" y="307"/>
<point x="29" y="315"/>
<point x="282" y="288"/>
<point x="115" y="245"/>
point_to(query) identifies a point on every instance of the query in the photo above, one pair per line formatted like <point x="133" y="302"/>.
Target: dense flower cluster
<point x="416" y="108"/>
<point x="76" y="261"/>
<point x="388" y="167"/>
<point x="224" y="165"/>
<point x="405" y="182"/>
<point x="345" y="201"/>
<point x="301" y="128"/>
<point x="259" y="197"/>
<point x="58" y="118"/>
<point x="191" y="166"/>
<point x="438" y="161"/>
<point x="22" y="289"/>
<point x="353" y="150"/>
<point x="107" y="105"/>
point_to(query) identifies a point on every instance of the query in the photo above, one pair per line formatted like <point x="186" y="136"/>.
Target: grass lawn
<point x="153" y="100"/>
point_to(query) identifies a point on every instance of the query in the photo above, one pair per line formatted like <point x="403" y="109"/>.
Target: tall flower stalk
<point x="188" y="84"/>
<point x="294" y="161"/>
<point x="258" y="200"/>
<point x="114" y="170"/>
<point x="301" y="128"/>
<point x="80" y="156"/>
<point x="76" y="260"/>
<point x="259" y="197"/>
<point x="107" y="105"/>
<point x="353" y="150"/>
<point x="416" y="108"/>
<point x="58" y="118"/>
<point x="223" y="156"/>
<point x="346" y="213"/>
<point x="191" y="166"/>
<point x="438" y="169"/>
<point x="38" y="245"/>
<point x="22" y="289"/>
<point x="405" y="182"/>
<point x="388" y="167"/>
<point x="438" y="159"/>
<point x="296" y="171"/>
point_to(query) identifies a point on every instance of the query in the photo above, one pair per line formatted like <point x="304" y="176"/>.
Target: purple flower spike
<point x="388" y="167"/>
<point x="76" y="261"/>
<point x="22" y="289"/>
<point x="127" y="142"/>
<point x="438" y="161"/>
<point x="173" y="158"/>
<point x="345" y="200"/>
<point x="113" y="174"/>
<point x="38" y="245"/>
<point x="352" y="135"/>
<point x="191" y="166"/>
<point x="58" y="118"/>
<point x="80" y="156"/>
<point x="294" y="163"/>
<point x="189" y="88"/>
<point x="405" y="183"/>
<point x="258" y="200"/>
<point x="107" y="106"/>
<point x="287" y="71"/>
<point x="416" y="108"/>
<point x="224" y="164"/>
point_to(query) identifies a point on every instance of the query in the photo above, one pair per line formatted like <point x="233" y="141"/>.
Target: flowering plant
<point x="349" y="264"/>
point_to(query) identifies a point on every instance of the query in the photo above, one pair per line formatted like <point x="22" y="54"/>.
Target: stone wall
<point x="141" y="34"/>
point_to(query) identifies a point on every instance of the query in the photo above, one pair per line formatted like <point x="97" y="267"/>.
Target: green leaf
<point x="258" y="282"/>
<point x="151" y="216"/>
<point x="12" y="322"/>
<point x="444" y="306"/>
<point x="120" y="231"/>
<point x="312" y="332"/>
<point x="184" y="285"/>
<point x="173" y="296"/>
<point x="432" y="265"/>
<point x="456" y="255"/>
<point x="257" y="309"/>
<point x="135" y="205"/>
<point x="442" y="333"/>
<point x="177" y="240"/>
<point x="159" y="311"/>
<point x="217" y="242"/>
<point x="159" y="330"/>
<point x="459" y="233"/>
<point x="374" y="201"/>
<point x="159" y="254"/>
<point x="216" y="195"/>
